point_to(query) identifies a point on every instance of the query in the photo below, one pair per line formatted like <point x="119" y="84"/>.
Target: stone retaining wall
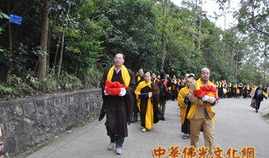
<point x="31" y="122"/>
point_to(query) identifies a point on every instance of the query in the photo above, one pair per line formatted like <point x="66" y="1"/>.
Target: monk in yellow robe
<point x="201" y="114"/>
<point x="139" y="76"/>
<point x="147" y="109"/>
<point x="185" y="104"/>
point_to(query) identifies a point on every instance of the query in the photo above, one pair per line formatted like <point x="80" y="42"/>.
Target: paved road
<point x="237" y="125"/>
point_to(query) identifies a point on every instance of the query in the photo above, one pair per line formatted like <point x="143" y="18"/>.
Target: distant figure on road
<point x="163" y="86"/>
<point x="257" y="98"/>
<point x="116" y="102"/>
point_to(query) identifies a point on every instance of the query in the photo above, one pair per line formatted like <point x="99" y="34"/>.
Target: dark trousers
<point x="162" y="106"/>
<point x="185" y="128"/>
<point x="143" y="111"/>
<point x="258" y="103"/>
<point x="134" y="109"/>
<point x="134" y="112"/>
<point x="118" y="140"/>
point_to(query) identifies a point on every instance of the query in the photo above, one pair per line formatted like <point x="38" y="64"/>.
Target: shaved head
<point x="147" y="76"/>
<point x="205" y="69"/>
<point x="205" y="74"/>
<point x="118" y="59"/>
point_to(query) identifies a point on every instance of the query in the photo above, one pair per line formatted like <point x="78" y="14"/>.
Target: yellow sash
<point x="138" y="91"/>
<point x="138" y="78"/>
<point x="149" y="111"/>
<point x="124" y="73"/>
<point x="183" y="109"/>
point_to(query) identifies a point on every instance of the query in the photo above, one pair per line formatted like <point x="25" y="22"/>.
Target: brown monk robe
<point x="117" y="108"/>
<point x="156" y="93"/>
<point x="135" y="111"/>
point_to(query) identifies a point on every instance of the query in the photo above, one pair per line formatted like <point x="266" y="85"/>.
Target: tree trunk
<point x="56" y="53"/>
<point x="164" y="51"/>
<point x="61" y="56"/>
<point x="10" y="31"/>
<point x="10" y="38"/>
<point x="163" y="57"/>
<point x="42" y="70"/>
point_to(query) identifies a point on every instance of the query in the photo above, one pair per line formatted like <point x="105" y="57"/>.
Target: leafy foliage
<point x="156" y="35"/>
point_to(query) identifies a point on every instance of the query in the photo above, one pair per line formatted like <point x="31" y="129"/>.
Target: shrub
<point x="91" y="78"/>
<point x="68" y="81"/>
<point x="6" y="90"/>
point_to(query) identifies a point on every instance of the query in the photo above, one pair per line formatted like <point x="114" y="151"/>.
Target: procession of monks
<point x="129" y="98"/>
<point x="230" y="90"/>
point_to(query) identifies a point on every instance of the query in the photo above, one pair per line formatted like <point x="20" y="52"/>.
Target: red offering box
<point x="206" y="90"/>
<point x="113" y="88"/>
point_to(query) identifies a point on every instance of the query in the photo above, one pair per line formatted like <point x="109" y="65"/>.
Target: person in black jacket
<point x="258" y="96"/>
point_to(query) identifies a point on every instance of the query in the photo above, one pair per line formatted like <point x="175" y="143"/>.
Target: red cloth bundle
<point x="113" y="88"/>
<point x="209" y="90"/>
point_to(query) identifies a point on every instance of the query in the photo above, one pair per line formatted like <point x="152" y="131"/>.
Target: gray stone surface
<point x="34" y="121"/>
<point x="237" y="125"/>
